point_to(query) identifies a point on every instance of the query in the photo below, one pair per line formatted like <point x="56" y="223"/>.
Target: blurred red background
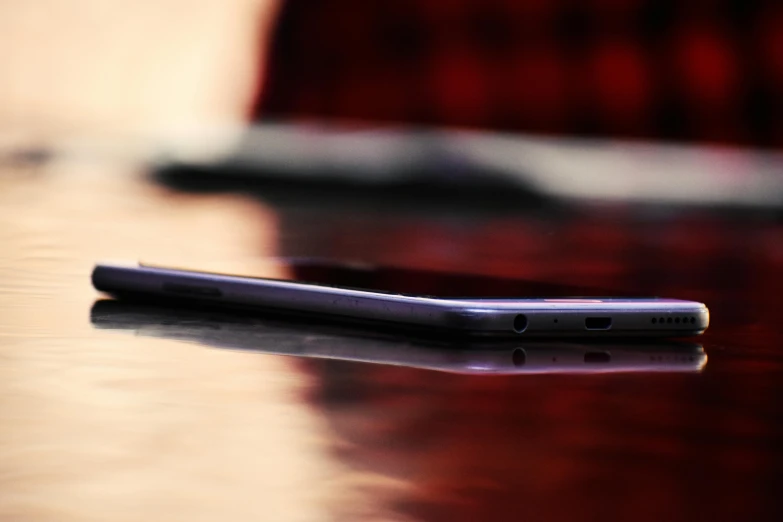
<point x="706" y="71"/>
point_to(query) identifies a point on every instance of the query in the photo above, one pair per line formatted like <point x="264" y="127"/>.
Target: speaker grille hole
<point x="520" y="323"/>
<point x="675" y="320"/>
<point x="519" y="357"/>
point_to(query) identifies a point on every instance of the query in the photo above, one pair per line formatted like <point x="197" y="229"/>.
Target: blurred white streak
<point x="634" y="171"/>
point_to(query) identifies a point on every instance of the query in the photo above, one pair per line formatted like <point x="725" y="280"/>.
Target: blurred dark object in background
<point x="651" y="69"/>
<point x="468" y="173"/>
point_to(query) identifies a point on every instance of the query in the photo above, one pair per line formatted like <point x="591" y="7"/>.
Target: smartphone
<point x="406" y="298"/>
<point x="323" y="341"/>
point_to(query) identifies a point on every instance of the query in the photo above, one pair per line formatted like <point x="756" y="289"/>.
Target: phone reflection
<point x="241" y="331"/>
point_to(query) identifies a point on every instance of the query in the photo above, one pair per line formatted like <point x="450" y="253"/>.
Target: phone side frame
<point x="475" y="317"/>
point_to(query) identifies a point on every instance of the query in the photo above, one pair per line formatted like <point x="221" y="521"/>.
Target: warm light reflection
<point x="97" y="426"/>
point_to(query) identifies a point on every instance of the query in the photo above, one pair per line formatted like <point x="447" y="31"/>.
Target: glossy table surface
<point x="123" y="418"/>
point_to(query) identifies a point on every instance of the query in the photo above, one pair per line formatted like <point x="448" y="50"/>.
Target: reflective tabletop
<point x="114" y="411"/>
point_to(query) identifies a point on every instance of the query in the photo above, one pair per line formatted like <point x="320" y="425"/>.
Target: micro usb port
<point x="598" y="323"/>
